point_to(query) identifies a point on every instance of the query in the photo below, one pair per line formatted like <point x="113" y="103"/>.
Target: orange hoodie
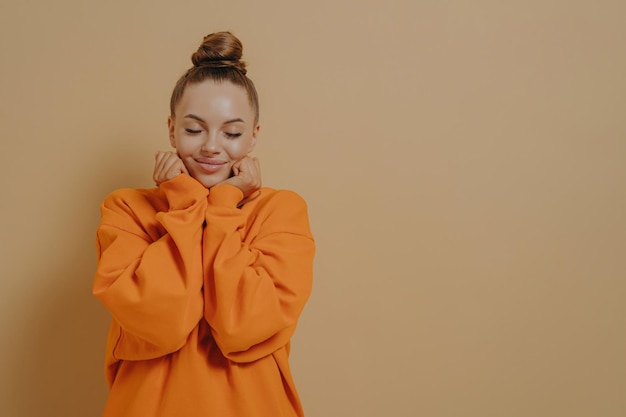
<point x="205" y="297"/>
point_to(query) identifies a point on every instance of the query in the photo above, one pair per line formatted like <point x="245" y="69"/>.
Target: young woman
<point x="206" y="274"/>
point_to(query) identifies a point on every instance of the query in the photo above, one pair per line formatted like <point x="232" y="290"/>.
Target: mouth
<point x="210" y="165"/>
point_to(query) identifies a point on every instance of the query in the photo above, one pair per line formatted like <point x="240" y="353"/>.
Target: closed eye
<point x="232" y="135"/>
<point x="192" y="131"/>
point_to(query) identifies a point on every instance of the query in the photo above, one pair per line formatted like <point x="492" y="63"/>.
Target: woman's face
<point x="213" y="128"/>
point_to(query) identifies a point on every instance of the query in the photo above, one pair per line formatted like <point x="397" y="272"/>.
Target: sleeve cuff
<point x="225" y="195"/>
<point x="183" y="191"/>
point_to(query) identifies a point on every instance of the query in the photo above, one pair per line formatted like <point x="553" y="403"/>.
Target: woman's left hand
<point x="246" y="175"/>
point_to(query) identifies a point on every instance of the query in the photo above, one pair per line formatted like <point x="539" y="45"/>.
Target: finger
<point x="236" y="168"/>
<point x="250" y="173"/>
<point x="252" y="166"/>
<point x="257" y="164"/>
<point x="167" y="166"/>
<point x="183" y="167"/>
<point x="161" y="157"/>
<point x="169" y="162"/>
<point x="246" y="164"/>
<point x="160" y="165"/>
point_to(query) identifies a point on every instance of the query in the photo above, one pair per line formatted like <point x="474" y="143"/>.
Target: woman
<point x="205" y="275"/>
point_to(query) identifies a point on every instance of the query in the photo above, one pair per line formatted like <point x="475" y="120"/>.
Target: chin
<point x="209" y="182"/>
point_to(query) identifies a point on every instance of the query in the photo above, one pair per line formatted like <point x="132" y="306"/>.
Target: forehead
<point x="215" y="101"/>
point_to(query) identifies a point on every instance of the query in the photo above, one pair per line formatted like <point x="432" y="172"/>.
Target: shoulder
<point x="273" y="199"/>
<point x="274" y="196"/>
<point x="132" y="196"/>
<point x="281" y="210"/>
<point x="133" y="202"/>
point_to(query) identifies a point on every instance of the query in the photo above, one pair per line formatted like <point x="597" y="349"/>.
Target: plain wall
<point x="464" y="165"/>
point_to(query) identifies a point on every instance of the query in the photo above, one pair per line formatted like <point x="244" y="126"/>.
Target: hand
<point x="246" y="175"/>
<point x="167" y="165"/>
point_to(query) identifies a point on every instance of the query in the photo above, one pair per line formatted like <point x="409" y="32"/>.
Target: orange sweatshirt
<point x="205" y="297"/>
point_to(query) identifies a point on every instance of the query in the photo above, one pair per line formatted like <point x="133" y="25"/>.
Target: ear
<point x="170" y="128"/>
<point x="255" y="133"/>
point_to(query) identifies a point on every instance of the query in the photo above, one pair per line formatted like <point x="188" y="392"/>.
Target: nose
<point x="211" y="144"/>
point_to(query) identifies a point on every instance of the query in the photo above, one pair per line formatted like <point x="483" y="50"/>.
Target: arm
<point x="255" y="285"/>
<point x="150" y="279"/>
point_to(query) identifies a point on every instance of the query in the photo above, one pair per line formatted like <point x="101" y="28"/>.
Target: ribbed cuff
<point x="183" y="191"/>
<point x="225" y="195"/>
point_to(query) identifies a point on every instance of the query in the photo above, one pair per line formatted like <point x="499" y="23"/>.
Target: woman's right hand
<point x="167" y="165"/>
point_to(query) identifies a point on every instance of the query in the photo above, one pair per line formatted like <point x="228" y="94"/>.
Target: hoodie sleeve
<point x="149" y="273"/>
<point x="258" y="271"/>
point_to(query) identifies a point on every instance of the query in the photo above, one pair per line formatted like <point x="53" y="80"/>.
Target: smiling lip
<point x="210" y="165"/>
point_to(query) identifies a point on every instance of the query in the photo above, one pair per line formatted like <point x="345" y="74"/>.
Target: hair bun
<point x="220" y="50"/>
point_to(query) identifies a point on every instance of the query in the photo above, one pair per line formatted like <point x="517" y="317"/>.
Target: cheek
<point x="186" y="146"/>
<point x="239" y="149"/>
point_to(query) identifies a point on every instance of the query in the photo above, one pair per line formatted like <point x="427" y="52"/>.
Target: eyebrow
<point x="201" y="120"/>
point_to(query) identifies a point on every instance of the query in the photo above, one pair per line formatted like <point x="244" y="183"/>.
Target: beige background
<point x="463" y="163"/>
